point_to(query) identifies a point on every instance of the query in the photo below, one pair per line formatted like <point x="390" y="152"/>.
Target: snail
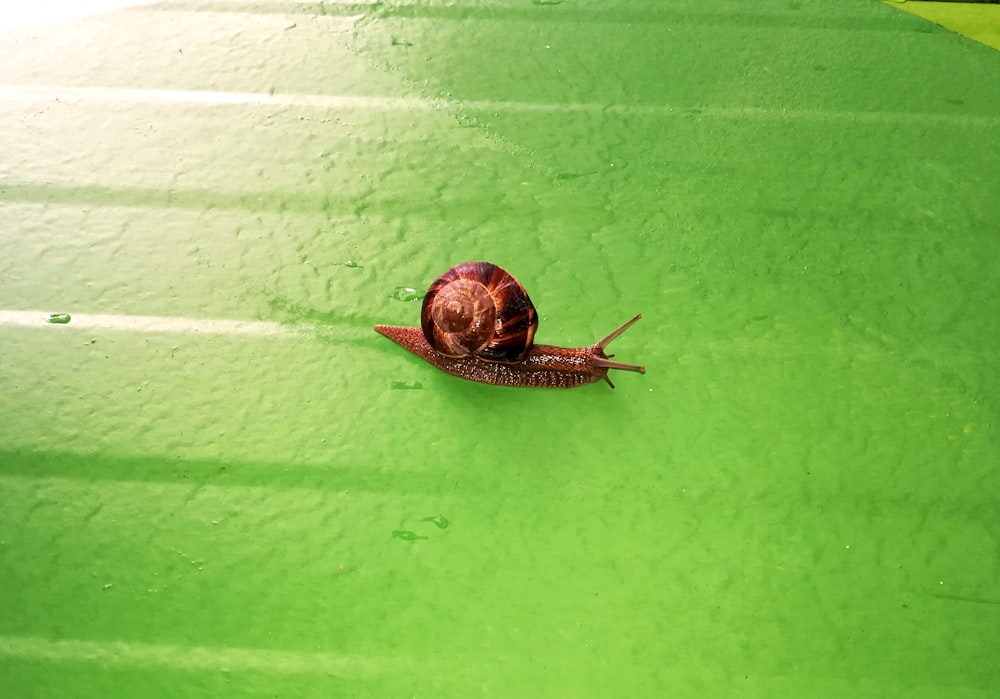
<point x="478" y="323"/>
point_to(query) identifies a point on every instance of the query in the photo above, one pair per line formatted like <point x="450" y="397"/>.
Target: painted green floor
<point x="976" y="20"/>
<point x="216" y="480"/>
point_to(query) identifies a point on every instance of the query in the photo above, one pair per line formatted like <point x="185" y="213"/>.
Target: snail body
<point x="478" y="323"/>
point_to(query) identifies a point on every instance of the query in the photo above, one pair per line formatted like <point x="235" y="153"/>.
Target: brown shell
<point x="478" y="308"/>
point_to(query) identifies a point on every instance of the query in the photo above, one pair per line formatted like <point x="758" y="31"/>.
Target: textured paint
<point x="217" y="480"/>
<point x="979" y="21"/>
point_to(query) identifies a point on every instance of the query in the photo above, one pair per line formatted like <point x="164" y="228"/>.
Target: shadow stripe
<point x="93" y="468"/>
<point x="672" y="14"/>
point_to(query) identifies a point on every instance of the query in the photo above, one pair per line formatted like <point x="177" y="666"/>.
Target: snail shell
<point x="477" y="308"/>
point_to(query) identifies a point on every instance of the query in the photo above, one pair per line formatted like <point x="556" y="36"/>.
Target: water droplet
<point x="406" y="293"/>
<point x="406" y="385"/>
<point x="59" y="318"/>
<point x="441" y="522"/>
<point x="406" y="535"/>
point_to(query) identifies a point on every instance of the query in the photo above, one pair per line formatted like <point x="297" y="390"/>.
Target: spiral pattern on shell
<point x="479" y="308"/>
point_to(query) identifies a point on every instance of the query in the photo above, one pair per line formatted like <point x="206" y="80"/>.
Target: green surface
<point x="978" y="20"/>
<point x="210" y="484"/>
